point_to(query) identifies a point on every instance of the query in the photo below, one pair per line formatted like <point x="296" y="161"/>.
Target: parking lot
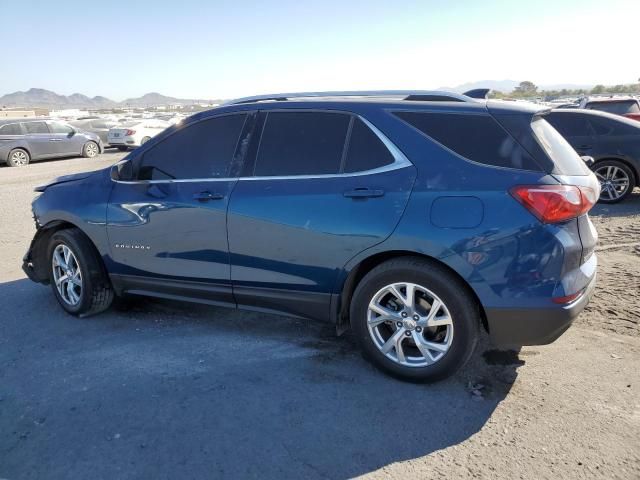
<point x="156" y="389"/>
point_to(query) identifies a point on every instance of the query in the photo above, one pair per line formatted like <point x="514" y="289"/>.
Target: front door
<point x="65" y="140"/>
<point x="324" y="187"/>
<point x="167" y="228"/>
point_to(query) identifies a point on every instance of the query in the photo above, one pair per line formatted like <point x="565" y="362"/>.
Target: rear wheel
<point x="78" y="278"/>
<point x="144" y="140"/>
<point x="616" y="180"/>
<point x="18" y="158"/>
<point x="90" y="150"/>
<point x="415" y="320"/>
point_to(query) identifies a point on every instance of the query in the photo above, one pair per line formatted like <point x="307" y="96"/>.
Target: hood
<point x="64" y="179"/>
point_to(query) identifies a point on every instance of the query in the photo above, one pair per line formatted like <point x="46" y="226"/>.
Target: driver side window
<point x="202" y="150"/>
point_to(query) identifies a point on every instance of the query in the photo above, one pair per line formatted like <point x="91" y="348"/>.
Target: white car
<point x="135" y="133"/>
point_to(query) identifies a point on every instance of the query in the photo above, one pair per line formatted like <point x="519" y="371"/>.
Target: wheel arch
<point x="340" y="312"/>
<point x="37" y="255"/>
<point x="20" y="146"/>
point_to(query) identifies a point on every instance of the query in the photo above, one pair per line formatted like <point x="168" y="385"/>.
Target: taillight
<point x="555" y="203"/>
<point x="128" y="133"/>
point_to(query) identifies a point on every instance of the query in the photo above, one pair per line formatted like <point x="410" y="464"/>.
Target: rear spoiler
<point x="478" y="93"/>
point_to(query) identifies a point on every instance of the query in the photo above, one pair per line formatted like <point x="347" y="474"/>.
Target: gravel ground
<point x="170" y="390"/>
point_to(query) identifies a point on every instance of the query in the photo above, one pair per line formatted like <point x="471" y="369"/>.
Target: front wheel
<point x="78" y="278"/>
<point x="415" y="320"/>
<point x="90" y="150"/>
<point x="616" y="180"/>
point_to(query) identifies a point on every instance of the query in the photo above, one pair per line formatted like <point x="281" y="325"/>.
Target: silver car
<point x="25" y="140"/>
<point x="99" y="126"/>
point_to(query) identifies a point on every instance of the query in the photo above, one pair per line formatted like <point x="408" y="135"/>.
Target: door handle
<point x="364" y="192"/>
<point x="206" y="196"/>
<point x="55" y="139"/>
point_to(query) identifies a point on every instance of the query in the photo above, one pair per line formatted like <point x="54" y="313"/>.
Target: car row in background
<point x="611" y="140"/>
<point x="25" y="140"/>
<point x="135" y="132"/>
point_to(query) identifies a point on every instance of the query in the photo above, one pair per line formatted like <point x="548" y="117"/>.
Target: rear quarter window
<point x="10" y="129"/>
<point x="477" y="137"/>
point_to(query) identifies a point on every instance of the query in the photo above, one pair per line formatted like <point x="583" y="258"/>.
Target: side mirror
<point x="122" y="171"/>
<point x="589" y="161"/>
<point x="72" y="132"/>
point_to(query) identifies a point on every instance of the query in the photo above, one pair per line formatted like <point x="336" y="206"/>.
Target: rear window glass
<point x="619" y="108"/>
<point x="476" y="137"/>
<point x="301" y="143"/>
<point x="366" y="151"/>
<point x="35" y="127"/>
<point x="564" y="157"/>
<point x="570" y="124"/>
<point x="10" y="129"/>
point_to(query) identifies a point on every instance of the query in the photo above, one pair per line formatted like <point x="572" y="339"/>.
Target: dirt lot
<point x="166" y="390"/>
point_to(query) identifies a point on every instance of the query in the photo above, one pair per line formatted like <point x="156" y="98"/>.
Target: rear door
<point x="167" y="228"/>
<point x="41" y="142"/>
<point x="320" y="188"/>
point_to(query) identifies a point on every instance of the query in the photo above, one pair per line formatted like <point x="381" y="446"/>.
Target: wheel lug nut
<point x="404" y="314"/>
<point x="418" y="329"/>
<point x="416" y="318"/>
<point x="407" y="333"/>
<point x="399" y="324"/>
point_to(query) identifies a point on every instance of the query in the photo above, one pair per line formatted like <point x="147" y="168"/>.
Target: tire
<point x="123" y="148"/>
<point x="458" y="317"/>
<point x="90" y="149"/>
<point x="616" y="180"/>
<point x="94" y="294"/>
<point x="18" y="157"/>
<point x="144" y="140"/>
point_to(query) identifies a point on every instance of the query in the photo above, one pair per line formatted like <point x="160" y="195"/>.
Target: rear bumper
<point x="534" y="326"/>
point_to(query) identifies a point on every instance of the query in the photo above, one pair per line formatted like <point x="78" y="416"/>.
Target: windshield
<point x="565" y="158"/>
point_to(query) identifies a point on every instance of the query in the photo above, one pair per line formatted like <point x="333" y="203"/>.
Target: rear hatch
<point x="558" y="159"/>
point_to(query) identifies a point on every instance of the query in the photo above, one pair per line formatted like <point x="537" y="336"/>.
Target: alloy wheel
<point x="614" y="182"/>
<point x="67" y="275"/>
<point x="410" y="324"/>
<point x="19" y="158"/>
<point x="91" y="149"/>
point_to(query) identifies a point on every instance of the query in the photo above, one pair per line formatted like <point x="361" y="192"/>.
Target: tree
<point x="526" y="88"/>
<point x="598" y="89"/>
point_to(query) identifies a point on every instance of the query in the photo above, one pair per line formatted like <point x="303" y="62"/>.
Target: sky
<point x="225" y="49"/>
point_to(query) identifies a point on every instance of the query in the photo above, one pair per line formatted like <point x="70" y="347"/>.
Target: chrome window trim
<point x="400" y="161"/>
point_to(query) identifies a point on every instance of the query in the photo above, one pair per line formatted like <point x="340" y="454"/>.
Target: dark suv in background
<point x="26" y="140"/>
<point x="414" y="218"/>
<point x="612" y="141"/>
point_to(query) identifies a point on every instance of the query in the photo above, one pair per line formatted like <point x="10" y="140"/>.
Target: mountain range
<point x="39" y="97"/>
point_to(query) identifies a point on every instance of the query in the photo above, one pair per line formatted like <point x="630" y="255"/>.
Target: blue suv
<point x="413" y="218"/>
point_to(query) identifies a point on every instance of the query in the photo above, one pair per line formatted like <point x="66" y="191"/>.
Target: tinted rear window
<point x="476" y="137"/>
<point x="569" y="124"/>
<point x="619" y="108"/>
<point x="558" y="149"/>
<point x="35" y="127"/>
<point x="366" y="151"/>
<point x="301" y="143"/>
<point x="10" y="129"/>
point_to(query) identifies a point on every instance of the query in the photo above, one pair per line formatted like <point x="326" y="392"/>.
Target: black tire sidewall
<point x="452" y="292"/>
<point x="84" y="259"/>
<point x="621" y="166"/>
